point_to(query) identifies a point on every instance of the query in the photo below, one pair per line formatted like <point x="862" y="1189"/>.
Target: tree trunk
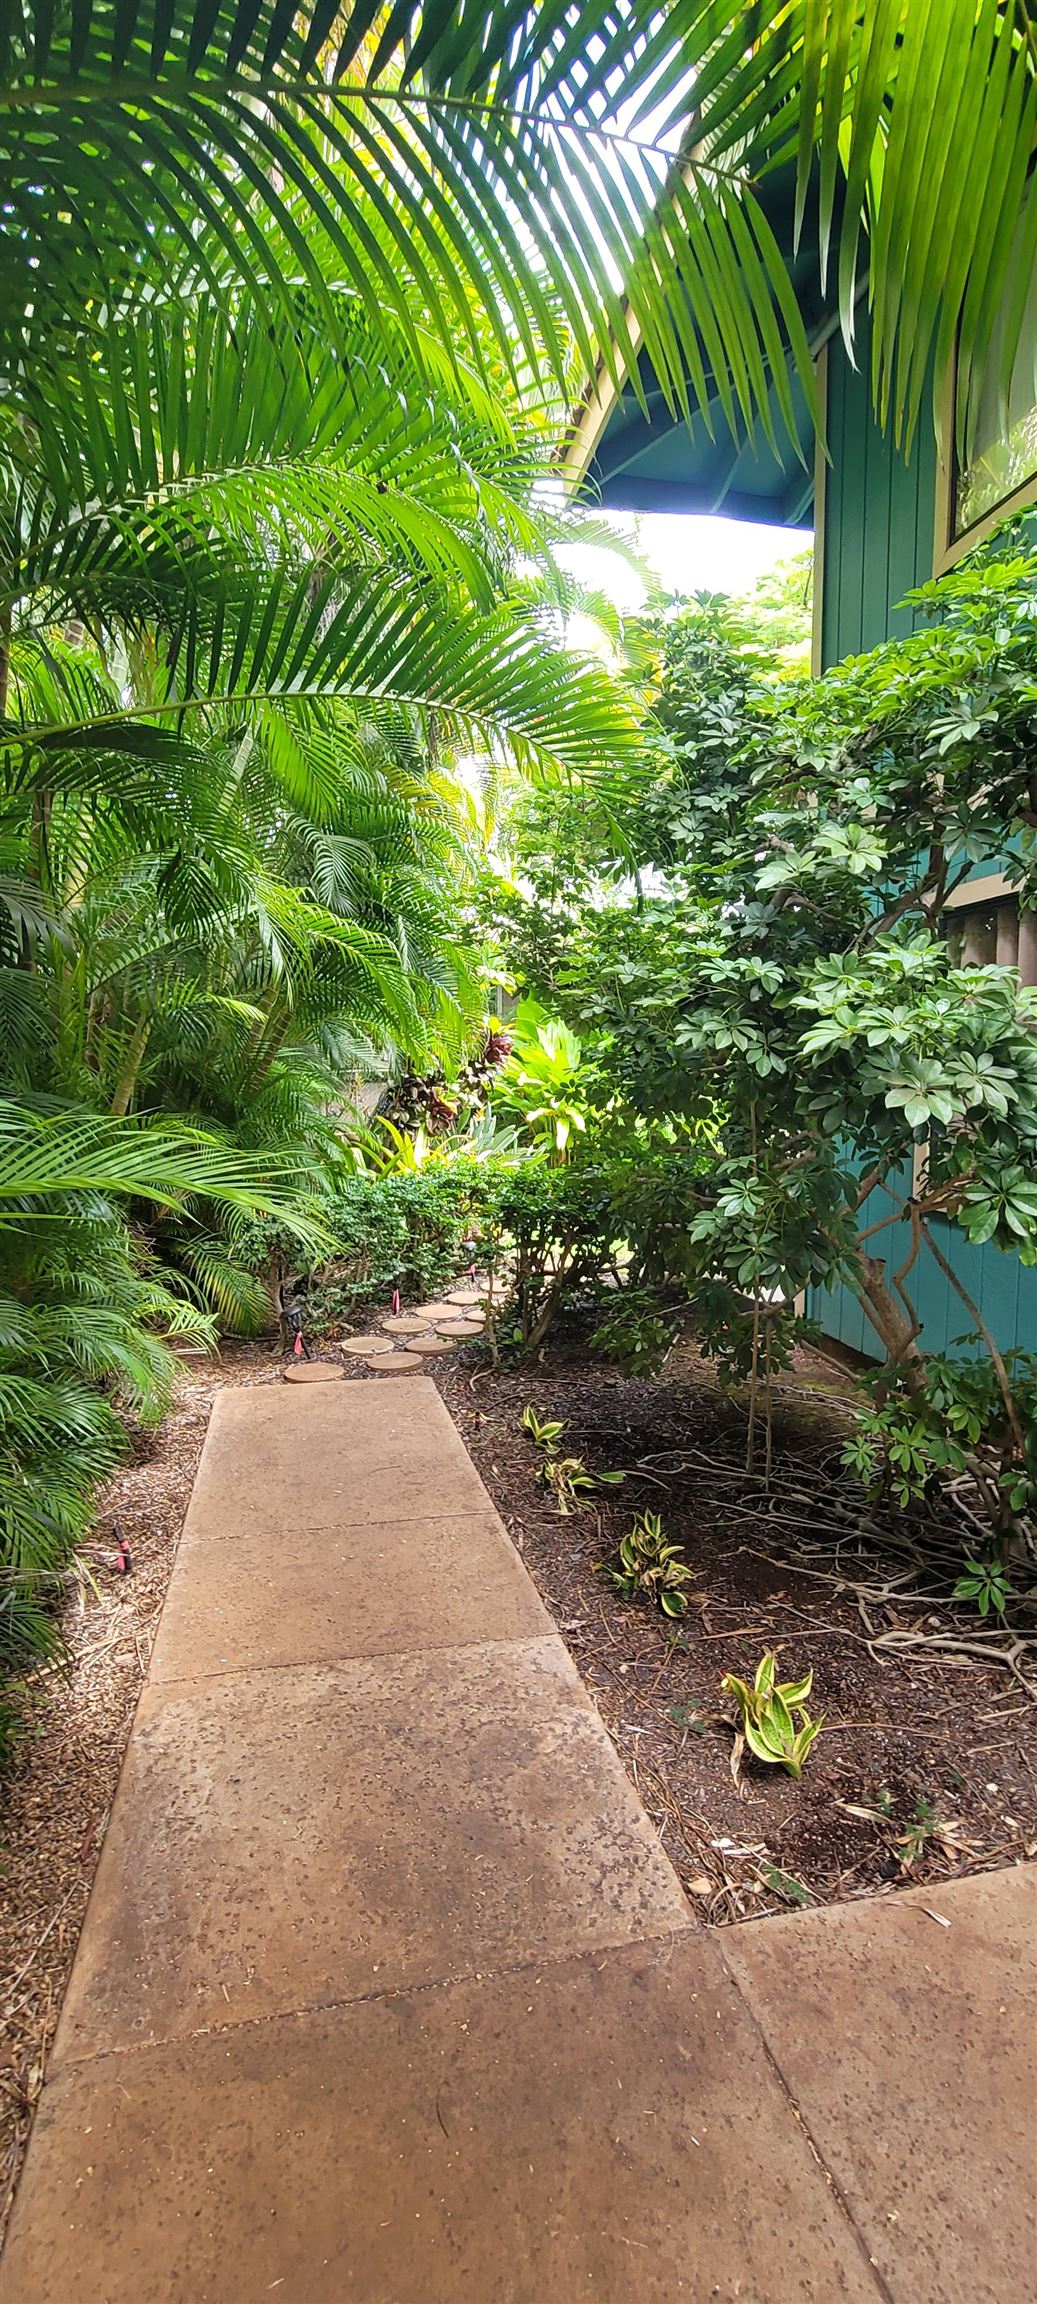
<point x="896" y="1332"/>
<point x="127" y="1080"/>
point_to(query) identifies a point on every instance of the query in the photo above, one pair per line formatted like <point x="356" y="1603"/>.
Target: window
<point x="993" y="932"/>
<point x="1002" y="452"/>
<point x="990" y="931"/>
<point x="995" y="471"/>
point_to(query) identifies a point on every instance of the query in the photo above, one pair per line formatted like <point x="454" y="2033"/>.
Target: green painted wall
<point x="880" y="517"/>
<point x="880" y="521"/>
<point x="1004" y="1290"/>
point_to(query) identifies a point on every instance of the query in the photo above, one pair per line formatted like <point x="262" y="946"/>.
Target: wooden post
<point x="1028" y="947"/>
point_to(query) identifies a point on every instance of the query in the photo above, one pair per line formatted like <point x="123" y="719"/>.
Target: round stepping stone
<point x="311" y="1372"/>
<point x="404" y="1324"/>
<point x="438" y="1311"/>
<point x="465" y="1295"/>
<point x="429" y="1344"/>
<point x="459" y="1327"/>
<point x="395" y="1363"/>
<point x="360" y="1346"/>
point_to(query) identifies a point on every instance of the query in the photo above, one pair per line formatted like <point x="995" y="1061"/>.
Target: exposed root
<point x="831" y="1520"/>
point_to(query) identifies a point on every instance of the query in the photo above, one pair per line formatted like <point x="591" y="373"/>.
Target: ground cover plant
<point x="648" y="1563"/>
<point x="773" y="1719"/>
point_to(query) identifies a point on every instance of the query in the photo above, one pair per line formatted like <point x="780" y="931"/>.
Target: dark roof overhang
<point x="642" y="458"/>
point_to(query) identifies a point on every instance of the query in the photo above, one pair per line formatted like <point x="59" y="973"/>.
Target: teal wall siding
<point x="1004" y="1290"/>
<point x="880" y="517"/>
<point x="880" y="520"/>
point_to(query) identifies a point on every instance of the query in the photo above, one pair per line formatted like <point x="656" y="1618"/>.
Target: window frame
<point x="820" y="495"/>
<point x="948" y="548"/>
<point x="970" y="896"/>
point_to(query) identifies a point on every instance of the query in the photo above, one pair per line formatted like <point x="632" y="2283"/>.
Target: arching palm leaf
<point x="366" y="641"/>
<point x="528" y="177"/>
<point x="49" y="1159"/>
<point x="925" y="115"/>
<point x="499" y="176"/>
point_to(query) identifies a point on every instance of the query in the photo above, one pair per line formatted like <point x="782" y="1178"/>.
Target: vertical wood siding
<point x="1004" y="1291"/>
<point x="880" y="518"/>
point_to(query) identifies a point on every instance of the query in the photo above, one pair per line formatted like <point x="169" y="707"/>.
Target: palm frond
<point x="449" y="171"/>
<point x="922" y="121"/>
<point x="47" y="1159"/>
<point x="239" y="1300"/>
<point x="518" y="182"/>
<point x="365" y="640"/>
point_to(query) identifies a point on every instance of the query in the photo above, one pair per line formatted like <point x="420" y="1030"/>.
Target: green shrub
<point x="553" y="1238"/>
<point x="768" y="963"/>
<point x="414" y="1231"/>
<point x="942" y="1417"/>
<point x="545" y="1232"/>
<point x="552" y="1233"/>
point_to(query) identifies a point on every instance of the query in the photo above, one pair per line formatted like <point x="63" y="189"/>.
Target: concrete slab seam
<point x="598" y="1953"/>
<point x="881" y="2284"/>
<point x="331" y="1663"/>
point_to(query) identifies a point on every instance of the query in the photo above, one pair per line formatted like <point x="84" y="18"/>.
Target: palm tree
<point x="256" y="599"/>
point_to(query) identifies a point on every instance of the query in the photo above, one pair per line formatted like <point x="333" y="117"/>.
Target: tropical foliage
<point x="776" y="975"/>
<point x="239" y="663"/>
<point x="292" y="308"/>
<point x="509" y="182"/>
<point x="259" y="593"/>
<point x="538" y="1085"/>
<point x="780" y="611"/>
<point x="408" y="1231"/>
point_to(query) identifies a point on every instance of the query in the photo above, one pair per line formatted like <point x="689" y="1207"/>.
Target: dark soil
<point x="57" y="1791"/>
<point x="937" y="1747"/>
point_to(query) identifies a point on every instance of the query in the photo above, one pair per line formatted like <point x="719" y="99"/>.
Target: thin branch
<point x="872" y="1182"/>
<point x="975" y="1314"/>
<point x="894" y="1217"/>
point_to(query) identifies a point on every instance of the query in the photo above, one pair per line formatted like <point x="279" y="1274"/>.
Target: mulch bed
<point x="55" y="1798"/>
<point x="936" y="1746"/>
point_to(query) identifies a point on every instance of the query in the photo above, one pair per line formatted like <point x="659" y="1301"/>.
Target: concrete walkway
<point x="388" y="1995"/>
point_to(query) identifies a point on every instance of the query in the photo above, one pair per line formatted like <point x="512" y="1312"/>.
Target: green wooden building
<point x="881" y="526"/>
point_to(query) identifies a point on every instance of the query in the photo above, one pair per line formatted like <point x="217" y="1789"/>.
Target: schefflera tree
<point x="780" y="972"/>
